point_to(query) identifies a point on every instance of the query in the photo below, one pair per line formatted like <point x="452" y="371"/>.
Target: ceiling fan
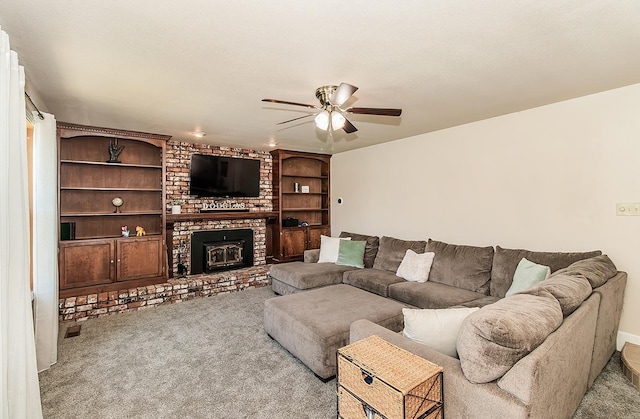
<point x="331" y="115"/>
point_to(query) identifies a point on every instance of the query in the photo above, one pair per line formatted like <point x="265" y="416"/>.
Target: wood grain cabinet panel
<point x="139" y="258"/>
<point x="86" y="263"/>
<point x="294" y="242"/>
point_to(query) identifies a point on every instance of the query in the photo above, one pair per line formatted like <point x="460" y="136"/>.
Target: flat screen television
<point x="217" y="176"/>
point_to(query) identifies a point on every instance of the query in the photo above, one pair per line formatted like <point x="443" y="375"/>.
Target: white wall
<point x="543" y="179"/>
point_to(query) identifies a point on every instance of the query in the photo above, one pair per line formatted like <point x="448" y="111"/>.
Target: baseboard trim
<point x="626" y="337"/>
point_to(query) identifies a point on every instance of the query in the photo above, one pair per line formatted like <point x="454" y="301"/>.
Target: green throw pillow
<point x="527" y="275"/>
<point x="351" y="253"/>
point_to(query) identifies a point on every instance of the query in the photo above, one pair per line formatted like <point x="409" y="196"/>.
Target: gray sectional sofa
<point x="532" y="354"/>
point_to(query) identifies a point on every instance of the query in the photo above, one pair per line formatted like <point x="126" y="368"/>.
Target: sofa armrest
<point x="461" y="397"/>
<point x="311" y="256"/>
<point x="553" y="378"/>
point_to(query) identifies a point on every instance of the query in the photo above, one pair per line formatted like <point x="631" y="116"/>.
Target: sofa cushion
<point x="372" y="280"/>
<point x="302" y="275"/>
<point x="597" y="270"/>
<point x="415" y="266"/>
<point x="485" y="300"/>
<point x="391" y="252"/>
<point x="505" y="262"/>
<point x="329" y="247"/>
<point x="351" y="253"/>
<point x="436" y="328"/>
<point x="467" y="267"/>
<point x="569" y="290"/>
<point x="370" y="250"/>
<point x="494" y="338"/>
<point x="430" y="294"/>
<point x="527" y="275"/>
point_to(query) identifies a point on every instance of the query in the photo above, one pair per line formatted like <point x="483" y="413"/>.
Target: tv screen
<point x="219" y="176"/>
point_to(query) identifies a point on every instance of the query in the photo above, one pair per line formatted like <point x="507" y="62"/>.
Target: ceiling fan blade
<point x="376" y="111"/>
<point x="342" y="93"/>
<point x="349" y="127"/>
<point x="285" y="102"/>
<point x="295" y="119"/>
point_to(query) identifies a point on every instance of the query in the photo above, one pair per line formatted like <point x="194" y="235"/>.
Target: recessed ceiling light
<point x="272" y="144"/>
<point x="198" y="134"/>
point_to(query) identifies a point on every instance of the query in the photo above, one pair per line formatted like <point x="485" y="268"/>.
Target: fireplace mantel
<point x="221" y="215"/>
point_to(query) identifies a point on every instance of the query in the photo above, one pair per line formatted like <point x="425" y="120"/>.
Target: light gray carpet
<point x="210" y="358"/>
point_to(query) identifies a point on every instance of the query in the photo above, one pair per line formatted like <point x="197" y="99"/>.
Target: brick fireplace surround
<point x="84" y="307"/>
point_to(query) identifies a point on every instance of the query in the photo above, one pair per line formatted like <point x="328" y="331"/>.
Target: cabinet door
<point x="86" y="263"/>
<point x="139" y="258"/>
<point x="313" y="241"/>
<point x="293" y="242"/>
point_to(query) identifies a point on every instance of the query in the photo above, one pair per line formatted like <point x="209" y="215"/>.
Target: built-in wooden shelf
<point x="108" y="214"/>
<point x="305" y="209"/>
<point x="98" y="163"/>
<point x="89" y="188"/>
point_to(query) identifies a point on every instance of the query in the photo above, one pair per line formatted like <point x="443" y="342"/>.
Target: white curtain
<point x="45" y="240"/>
<point x="19" y="387"/>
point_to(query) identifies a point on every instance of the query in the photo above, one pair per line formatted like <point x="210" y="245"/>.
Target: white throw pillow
<point x="527" y="275"/>
<point x="329" y="247"/>
<point x="415" y="266"/>
<point x="436" y="328"/>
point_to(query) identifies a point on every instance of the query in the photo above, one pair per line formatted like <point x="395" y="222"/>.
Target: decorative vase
<point x="175" y="209"/>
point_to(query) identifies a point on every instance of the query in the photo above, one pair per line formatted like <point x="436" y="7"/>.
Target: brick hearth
<point x="91" y="306"/>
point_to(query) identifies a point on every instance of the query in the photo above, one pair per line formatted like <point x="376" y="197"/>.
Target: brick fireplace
<point x="178" y="161"/>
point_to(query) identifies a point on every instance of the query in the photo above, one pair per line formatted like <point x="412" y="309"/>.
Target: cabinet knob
<point x="112" y="261"/>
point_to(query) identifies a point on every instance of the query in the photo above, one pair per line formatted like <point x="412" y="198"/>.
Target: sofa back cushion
<point x="467" y="267"/>
<point x="370" y="250"/>
<point x="597" y="270"/>
<point x="494" y="338"/>
<point x="505" y="262"/>
<point x="569" y="290"/>
<point x="391" y="252"/>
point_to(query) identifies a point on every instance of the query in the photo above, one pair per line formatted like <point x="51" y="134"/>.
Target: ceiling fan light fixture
<point x="322" y="120"/>
<point x="337" y="120"/>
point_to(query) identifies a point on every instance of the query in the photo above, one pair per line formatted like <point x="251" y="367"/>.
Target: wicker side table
<point x="376" y="379"/>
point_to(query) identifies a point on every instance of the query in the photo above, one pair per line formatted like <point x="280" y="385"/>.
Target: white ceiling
<point x="172" y="67"/>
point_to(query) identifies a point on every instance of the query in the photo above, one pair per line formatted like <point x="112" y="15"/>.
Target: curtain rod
<point x="40" y="115"/>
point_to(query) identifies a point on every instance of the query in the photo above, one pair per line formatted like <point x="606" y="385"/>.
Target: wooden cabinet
<point x="85" y="263"/>
<point x="91" y="182"/>
<point x="140" y="257"/>
<point x="301" y="192"/>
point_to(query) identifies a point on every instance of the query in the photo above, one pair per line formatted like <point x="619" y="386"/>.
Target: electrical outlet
<point x="628" y="208"/>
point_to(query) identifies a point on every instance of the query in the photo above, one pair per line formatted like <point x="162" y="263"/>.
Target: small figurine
<point x="140" y="231"/>
<point x="114" y="151"/>
<point x="125" y="231"/>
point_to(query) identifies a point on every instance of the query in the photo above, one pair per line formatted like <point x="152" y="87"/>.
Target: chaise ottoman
<point x="312" y="325"/>
<point x="293" y="277"/>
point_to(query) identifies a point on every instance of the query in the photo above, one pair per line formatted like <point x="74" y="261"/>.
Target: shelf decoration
<point x="114" y="151"/>
<point x="117" y="202"/>
<point x="124" y="231"/>
<point x="140" y="231"/>
<point x="305" y="188"/>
